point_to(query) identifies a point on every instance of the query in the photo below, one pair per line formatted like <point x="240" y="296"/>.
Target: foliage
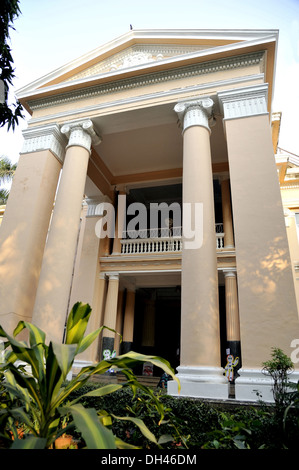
<point x="9" y="113"/>
<point x="4" y="193"/>
<point x="279" y="367"/>
<point x="41" y="388"/>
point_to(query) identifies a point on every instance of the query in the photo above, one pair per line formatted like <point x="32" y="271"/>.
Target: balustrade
<point x="160" y="240"/>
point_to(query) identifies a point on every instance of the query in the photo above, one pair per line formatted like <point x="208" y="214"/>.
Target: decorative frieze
<point x="244" y="102"/>
<point x="46" y="137"/>
<point x="151" y="79"/>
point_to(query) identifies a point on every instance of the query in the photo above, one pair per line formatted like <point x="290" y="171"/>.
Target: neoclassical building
<point x="147" y="186"/>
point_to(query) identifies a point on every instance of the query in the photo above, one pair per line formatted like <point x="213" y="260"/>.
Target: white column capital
<point x="81" y="134"/>
<point x="96" y="205"/>
<point x="229" y="272"/>
<point x="197" y="112"/>
<point x="47" y="137"/>
<point x="244" y="102"/>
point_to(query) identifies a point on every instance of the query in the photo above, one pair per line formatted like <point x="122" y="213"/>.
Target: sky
<point x="51" y="33"/>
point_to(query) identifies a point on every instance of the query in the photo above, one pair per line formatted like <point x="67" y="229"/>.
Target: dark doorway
<point x="158" y="332"/>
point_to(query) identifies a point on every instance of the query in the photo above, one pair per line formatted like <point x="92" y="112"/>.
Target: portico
<point x="152" y="118"/>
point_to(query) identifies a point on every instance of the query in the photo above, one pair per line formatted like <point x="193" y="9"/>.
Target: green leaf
<point x="77" y="323"/>
<point x="93" y="432"/>
<point x="30" y="442"/>
<point x="140" y="424"/>
<point x="65" y="355"/>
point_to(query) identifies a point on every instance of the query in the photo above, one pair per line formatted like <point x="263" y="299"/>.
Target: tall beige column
<point x="232" y="313"/>
<point x="200" y="372"/>
<point x="128" y="331"/>
<point x="227" y="214"/>
<point x="119" y="320"/>
<point x="267" y="302"/>
<point x="110" y="314"/>
<point x="26" y="221"/>
<point x="52" y="298"/>
<point x="119" y="223"/>
<point x="87" y="282"/>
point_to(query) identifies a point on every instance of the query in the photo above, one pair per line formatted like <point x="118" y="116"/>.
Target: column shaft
<point x="110" y="314"/>
<point x="128" y="331"/>
<point x="200" y="337"/>
<point x="23" y="234"/>
<point x="268" y="317"/>
<point x="227" y="214"/>
<point x="52" y="299"/>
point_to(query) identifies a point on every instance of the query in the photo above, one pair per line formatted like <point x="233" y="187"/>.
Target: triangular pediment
<point x="137" y="55"/>
<point x="146" y="51"/>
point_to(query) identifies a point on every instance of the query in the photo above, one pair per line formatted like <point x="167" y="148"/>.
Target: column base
<point x="126" y="346"/>
<point x="200" y="382"/>
<point x="253" y="385"/>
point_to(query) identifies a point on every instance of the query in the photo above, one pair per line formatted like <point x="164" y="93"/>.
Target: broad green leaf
<point x="65" y="355"/>
<point x="105" y="390"/>
<point x="30" y="442"/>
<point x="140" y="424"/>
<point x="77" y="323"/>
<point x="124" y="445"/>
<point x="36" y="335"/>
<point x="88" y="340"/>
<point x="93" y="432"/>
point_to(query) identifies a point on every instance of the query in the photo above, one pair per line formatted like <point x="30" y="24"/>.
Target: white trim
<point x="247" y="38"/>
<point x="244" y="102"/>
<point x="149" y="97"/>
<point x="47" y="137"/>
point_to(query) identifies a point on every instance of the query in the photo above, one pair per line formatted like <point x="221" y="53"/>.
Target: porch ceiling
<point x="148" y="140"/>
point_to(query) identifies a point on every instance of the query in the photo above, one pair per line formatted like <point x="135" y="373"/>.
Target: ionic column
<point x="110" y="314"/>
<point x="54" y="288"/>
<point x="200" y="336"/>
<point x="119" y="222"/>
<point x="227" y="214"/>
<point x="128" y="331"/>
<point x="87" y="281"/>
<point x="26" y="222"/>
<point x="232" y="313"/>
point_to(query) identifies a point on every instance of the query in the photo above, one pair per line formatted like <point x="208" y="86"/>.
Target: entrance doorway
<point x="157" y="324"/>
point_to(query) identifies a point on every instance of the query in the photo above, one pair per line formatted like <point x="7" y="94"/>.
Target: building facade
<point x="147" y="186"/>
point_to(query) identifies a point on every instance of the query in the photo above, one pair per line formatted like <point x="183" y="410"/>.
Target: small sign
<point x="148" y="369"/>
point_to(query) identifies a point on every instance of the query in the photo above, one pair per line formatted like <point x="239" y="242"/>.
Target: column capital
<point x="244" y="102"/>
<point x="197" y="112"/>
<point x="47" y="137"/>
<point x="81" y="134"/>
<point x="229" y="272"/>
<point x="96" y="205"/>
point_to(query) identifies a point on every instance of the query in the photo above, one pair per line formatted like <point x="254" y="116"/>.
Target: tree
<point x="7" y="170"/>
<point x="10" y="113"/>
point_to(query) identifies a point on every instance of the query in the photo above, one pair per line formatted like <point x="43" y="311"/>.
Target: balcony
<point x="160" y="240"/>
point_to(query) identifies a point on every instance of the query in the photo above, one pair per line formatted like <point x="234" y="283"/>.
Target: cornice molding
<point x="47" y="137"/>
<point x="149" y="79"/>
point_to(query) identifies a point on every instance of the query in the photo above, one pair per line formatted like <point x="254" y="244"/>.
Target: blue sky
<point x="50" y="33"/>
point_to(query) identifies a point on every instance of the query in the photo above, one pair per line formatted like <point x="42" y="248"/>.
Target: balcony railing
<point x="159" y="240"/>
